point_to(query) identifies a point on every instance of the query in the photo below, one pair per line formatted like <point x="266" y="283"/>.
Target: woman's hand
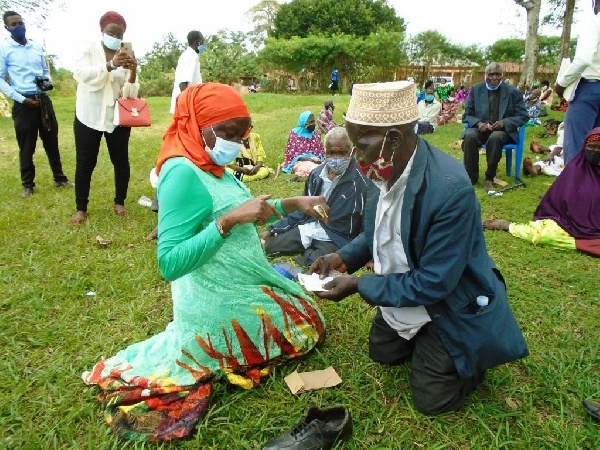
<point x="257" y="210"/>
<point x="339" y="288"/>
<point x="325" y="264"/>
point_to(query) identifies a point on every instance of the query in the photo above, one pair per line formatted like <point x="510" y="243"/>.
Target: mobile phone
<point x="126" y="49"/>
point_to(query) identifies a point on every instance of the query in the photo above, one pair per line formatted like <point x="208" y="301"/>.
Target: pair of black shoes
<point x="319" y="430"/>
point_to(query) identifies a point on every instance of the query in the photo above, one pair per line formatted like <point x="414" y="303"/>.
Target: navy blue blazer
<point x="449" y="265"/>
<point x="511" y="108"/>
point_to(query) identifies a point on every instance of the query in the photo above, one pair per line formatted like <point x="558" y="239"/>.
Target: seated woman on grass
<point x="304" y="150"/>
<point x="234" y="316"/>
<point x="568" y="215"/>
<point x="249" y="164"/>
<point x="449" y="109"/>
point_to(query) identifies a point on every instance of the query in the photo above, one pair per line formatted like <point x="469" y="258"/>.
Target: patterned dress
<point x="300" y="147"/>
<point x="234" y="318"/>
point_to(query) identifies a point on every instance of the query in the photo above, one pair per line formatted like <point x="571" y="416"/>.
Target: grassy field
<point x="51" y="331"/>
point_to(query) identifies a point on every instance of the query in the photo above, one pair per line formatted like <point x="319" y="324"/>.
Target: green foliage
<point x="510" y="49"/>
<point x="513" y="50"/>
<point x="433" y="48"/>
<point x="52" y="331"/>
<point x="227" y="58"/>
<point x="303" y="18"/>
<point x="156" y="68"/>
<point x="366" y="59"/>
<point x="262" y="15"/>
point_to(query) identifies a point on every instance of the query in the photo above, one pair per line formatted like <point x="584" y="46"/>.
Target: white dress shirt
<point x="313" y="230"/>
<point x="389" y="255"/>
<point x="98" y="89"/>
<point x="187" y="71"/>
<point x="586" y="63"/>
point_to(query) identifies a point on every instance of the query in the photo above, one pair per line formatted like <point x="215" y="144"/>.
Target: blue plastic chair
<point x="508" y="151"/>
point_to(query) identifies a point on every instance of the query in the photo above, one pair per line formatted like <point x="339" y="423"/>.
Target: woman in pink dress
<point x="304" y="150"/>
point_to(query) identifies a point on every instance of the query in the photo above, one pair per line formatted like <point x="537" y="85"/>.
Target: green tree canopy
<point x="302" y="18"/>
<point x="370" y="58"/>
<point x="227" y="58"/>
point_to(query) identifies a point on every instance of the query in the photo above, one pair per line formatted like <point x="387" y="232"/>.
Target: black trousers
<point x="87" y="147"/>
<point x="424" y="127"/>
<point x="434" y="382"/>
<point x="28" y="124"/>
<point x="290" y="243"/>
<point x="472" y="142"/>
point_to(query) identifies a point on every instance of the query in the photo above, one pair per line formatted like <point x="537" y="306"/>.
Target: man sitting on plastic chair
<point x="494" y="111"/>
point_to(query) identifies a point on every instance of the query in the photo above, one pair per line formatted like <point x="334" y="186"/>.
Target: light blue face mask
<point x="224" y="152"/>
<point x="338" y="164"/>
<point x="110" y="42"/>
<point x="201" y="48"/>
<point x="490" y="88"/>
<point x="429" y="97"/>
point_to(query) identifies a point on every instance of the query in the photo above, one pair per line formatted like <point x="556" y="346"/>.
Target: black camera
<point x="43" y="83"/>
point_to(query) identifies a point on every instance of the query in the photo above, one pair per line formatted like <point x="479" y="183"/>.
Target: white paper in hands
<point x="312" y="282"/>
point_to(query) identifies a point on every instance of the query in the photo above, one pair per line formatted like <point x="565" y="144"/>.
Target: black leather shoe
<point x="27" y="192"/>
<point x="319" y="430"/>
<point x="593" y="407"/>
<point x="63" y="184"/>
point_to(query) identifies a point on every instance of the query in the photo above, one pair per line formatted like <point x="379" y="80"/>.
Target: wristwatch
<point x="112" y="65"/>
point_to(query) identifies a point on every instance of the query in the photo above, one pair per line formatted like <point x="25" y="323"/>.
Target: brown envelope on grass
<point x="309" y="381"/>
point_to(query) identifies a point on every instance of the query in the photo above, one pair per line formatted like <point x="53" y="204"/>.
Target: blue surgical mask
<point x="201" y="48"/>
<point x="338" y="164"/>
<point x="18" y="32"/>
<point x="110" y="42"/>
<point x="490" y="88"/>
<point x="224" y="152"/>
<point x="429" y="97"/>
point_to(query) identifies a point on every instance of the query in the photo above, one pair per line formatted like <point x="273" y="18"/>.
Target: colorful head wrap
<point x="301" y="128"/>
<point x="592" y="136"/>
<point x="199" y="106"/>
<point x="112" y="17"/>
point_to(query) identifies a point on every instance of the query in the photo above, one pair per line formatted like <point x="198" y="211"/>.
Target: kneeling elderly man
<point x="441" y="302"/>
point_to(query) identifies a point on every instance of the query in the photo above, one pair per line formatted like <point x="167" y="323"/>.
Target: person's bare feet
<point x="529" y="168"/>
<point x="79" y="217"/>
<point x="496" y="224"/>
<point x="120" y="210"/>
<point x="488" y="186"/>
<point x="152" y="235"/>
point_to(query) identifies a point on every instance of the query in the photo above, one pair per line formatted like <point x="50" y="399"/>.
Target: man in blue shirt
<point x="333" y="86"/>
<point x="22" y="61"/>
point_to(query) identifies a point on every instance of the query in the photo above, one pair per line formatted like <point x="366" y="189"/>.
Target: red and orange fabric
<point x="199" y="107"/>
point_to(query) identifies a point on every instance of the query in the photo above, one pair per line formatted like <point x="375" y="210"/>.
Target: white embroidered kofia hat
<point x="383" y="104"/>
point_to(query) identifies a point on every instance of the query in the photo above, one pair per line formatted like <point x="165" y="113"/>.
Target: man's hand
<point x="559" y="90"/>
<point x="266" y="235"/>
<point x="31" y="103"/>
<point x="482" y="127"/>
<point x="325" y="264"/>
<point x="313" y="206"/>
<point x="498" y="125"/>
<point x="339" y="288"/>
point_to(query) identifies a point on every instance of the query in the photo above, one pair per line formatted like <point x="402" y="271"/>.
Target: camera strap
<point x="46" y="123"/>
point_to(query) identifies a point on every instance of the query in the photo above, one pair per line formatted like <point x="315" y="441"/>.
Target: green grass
<point x="51" y="332"/>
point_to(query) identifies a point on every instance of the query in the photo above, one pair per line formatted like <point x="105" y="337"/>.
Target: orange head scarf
<point x="199" y="106"/>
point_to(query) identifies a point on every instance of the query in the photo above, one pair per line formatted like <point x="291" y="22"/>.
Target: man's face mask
<point x="379" y="170"/>
<point x="429" y="97"/>
<point x="17" y="32"/>
<point x="338" y="164"/>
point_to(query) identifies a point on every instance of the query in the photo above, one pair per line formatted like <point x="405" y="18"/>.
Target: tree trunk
<point x="565" y="38"/>
<point x="531" y="41"/>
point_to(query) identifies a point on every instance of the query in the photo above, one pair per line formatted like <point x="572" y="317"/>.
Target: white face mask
<point x="111" y="42"/>
<point x="224" y="152"/>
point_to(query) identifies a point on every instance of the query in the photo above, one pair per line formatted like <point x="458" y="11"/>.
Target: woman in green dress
<point x="207" y="237"/>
